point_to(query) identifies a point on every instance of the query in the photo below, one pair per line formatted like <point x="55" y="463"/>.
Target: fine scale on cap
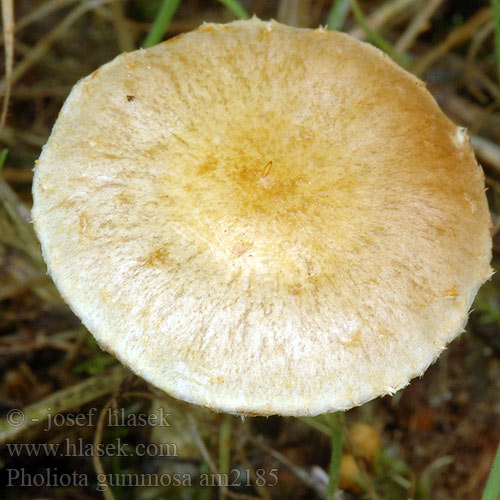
<point x="262" y="219"/>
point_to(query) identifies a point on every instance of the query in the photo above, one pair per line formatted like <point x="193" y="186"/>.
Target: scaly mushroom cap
<point x="263" y="219"/>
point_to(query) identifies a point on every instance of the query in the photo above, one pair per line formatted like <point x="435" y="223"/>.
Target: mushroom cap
<point x="263" y="219"/>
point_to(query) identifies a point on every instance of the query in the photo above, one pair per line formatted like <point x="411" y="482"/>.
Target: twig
<point x="17" y="175"/>
<point x="63" y="400"/>
<point x="20" y="215"/>
<point x="8" y="36"/>
<point x="18" y="232"/>
<point x="36" y="91"/>
<point x="431" y="469"/>
<point x="44" y="10"/>
<point x="457" y="62"/>
<point x="466" y="112"/>
<point x="62" y="370"/>
<point x="40" y="342"/>
<point x="297" y="471"/>
<point x="45" y="43"/>
<point x="382" y="16"/>
<point x="418" y="25"/>
<point x="12" y="137"/>
<point x="377" y="39"/>
<point x="496" y="186"/>
<point x="193" y="428"/>
<point x="16" y="289"/>
<point x="139" y="394"/>
<point x="456" y="37"/>
<point x="261" y="488"/>
<point x="477" y="40"/>
<point x="96" y="459"/>
<point x="122" y="30"/>
<point x="486" y="151"/>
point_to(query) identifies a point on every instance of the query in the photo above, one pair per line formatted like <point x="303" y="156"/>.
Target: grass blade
<point x="336" y="456"/>
<point x="225" y="444"/>
<point x="236" y="8"/>
<point x="496" y="18"/>
<point x="338" y="14"/>
<point x="161" y="23"/>
<point x="3" y="157"/>
<point x="64" y="400"/>
<point x="492" y="489"/>
<point x="377" y="39"/>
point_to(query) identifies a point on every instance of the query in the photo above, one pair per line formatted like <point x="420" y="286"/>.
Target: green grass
<point x="161" y="23"/>
<point x="378" y="40"/>
<point x="167" y="11"/>
<point x="338" y="14"/>
<point x="225" y="444"/>
<point x="492" y="489"/>
<point x="496" y="18"/>
<point x="236" y="8"/>
<point x="336" y="454"/>
<point x="3" y="157"/>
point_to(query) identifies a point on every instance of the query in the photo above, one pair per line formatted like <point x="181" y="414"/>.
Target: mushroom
<point x="263" y="219"/>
